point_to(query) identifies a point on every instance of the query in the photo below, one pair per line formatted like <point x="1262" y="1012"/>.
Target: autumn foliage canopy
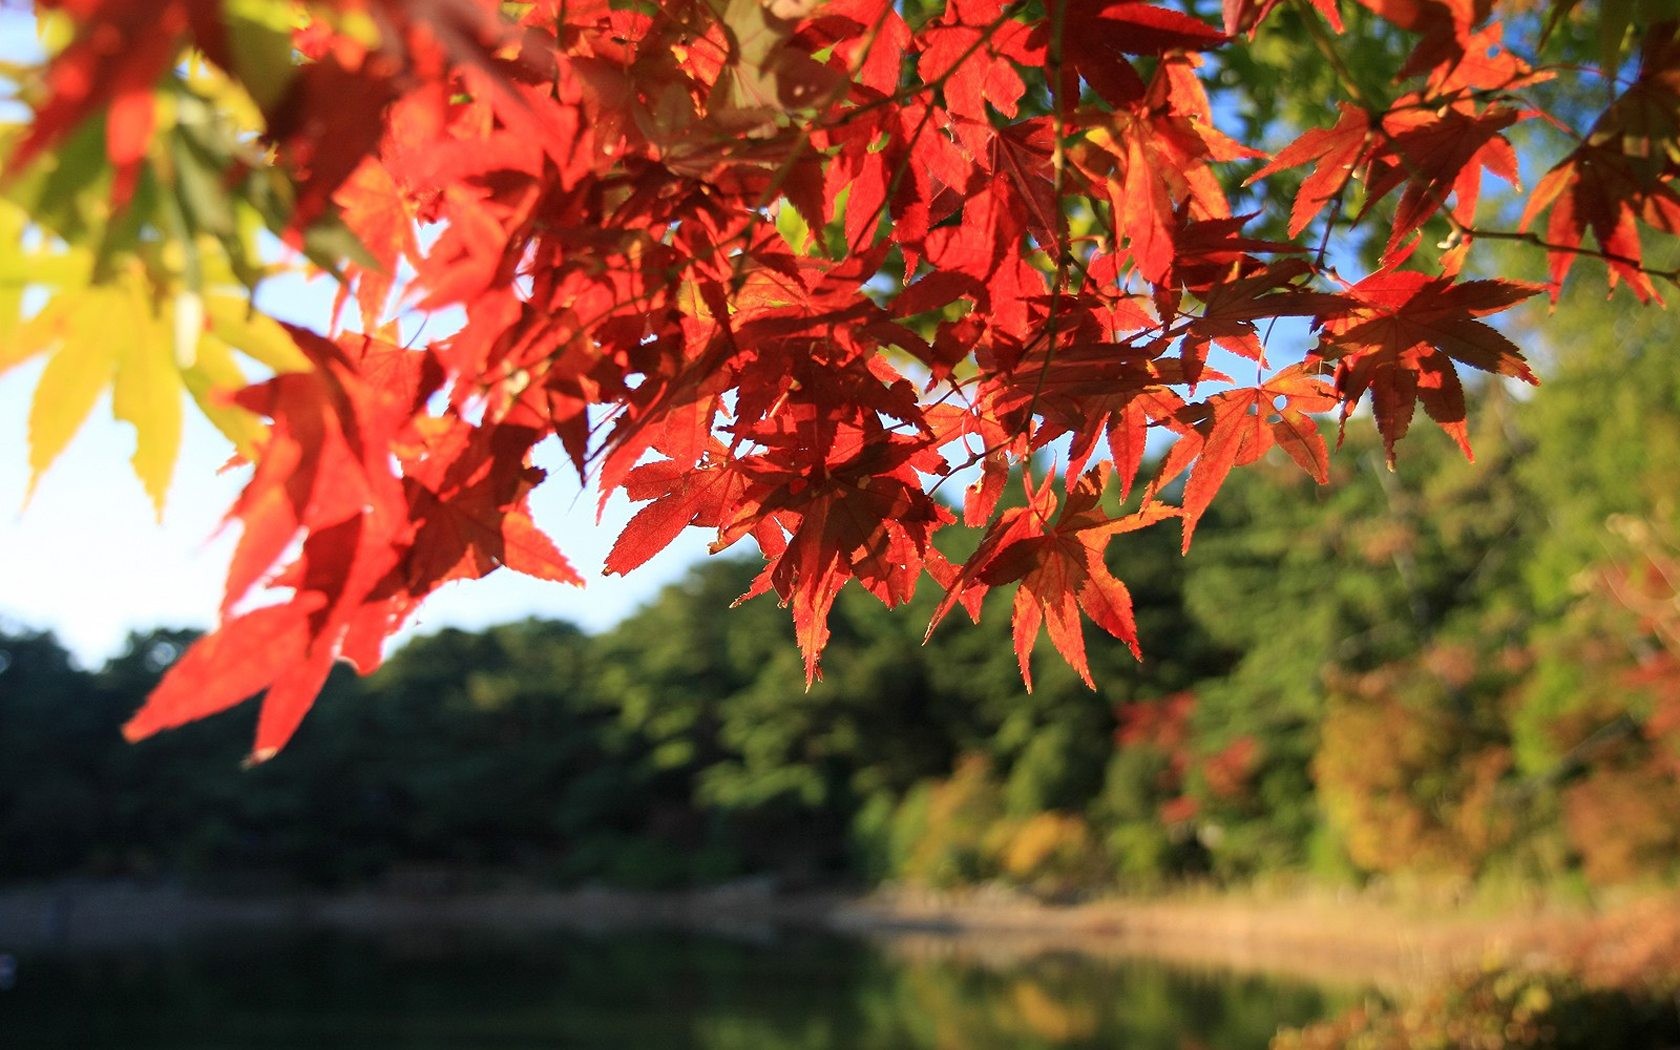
<point x="777" y="268"/>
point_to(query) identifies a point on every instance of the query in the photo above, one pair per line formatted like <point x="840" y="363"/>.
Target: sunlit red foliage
<point x="778" y="269"/>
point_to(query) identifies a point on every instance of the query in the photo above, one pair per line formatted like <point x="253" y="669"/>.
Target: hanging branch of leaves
<point x="770" y="268"/>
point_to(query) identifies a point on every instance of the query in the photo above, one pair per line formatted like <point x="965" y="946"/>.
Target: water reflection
<point x="637" y="990"/>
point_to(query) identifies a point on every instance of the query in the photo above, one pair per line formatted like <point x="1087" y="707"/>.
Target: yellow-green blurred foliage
<point x="1409" y="765"/>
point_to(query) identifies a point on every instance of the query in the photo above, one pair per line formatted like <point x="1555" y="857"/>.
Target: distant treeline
<point x="1450" y="672"/>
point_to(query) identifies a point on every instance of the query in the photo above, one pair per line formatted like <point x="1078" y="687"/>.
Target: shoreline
<point x="1317" y="935"/>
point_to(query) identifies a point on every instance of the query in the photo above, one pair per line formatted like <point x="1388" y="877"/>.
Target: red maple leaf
<point x="1231" y="307"/>
<point x="1623" y="174"/>
<point x="859" y="511"/>
<point x="683" y="495"/>
<point x="1397" y="336"/>
<point x="374" y="207"/>
<point x="1246" y="15"/>
<point x="1060" y="568"/>
<point x="973" y="49"/>
<point x="469" y="498"/>
<point x="1434" y="153"/>
<point x="326" y="458"/>
<point x="1443" y="25"/>
<point x="1335" y="153"/>
<point x="1239" y="426"/>
<point x="1097" y="37"/>
<point x="325" y="474"/>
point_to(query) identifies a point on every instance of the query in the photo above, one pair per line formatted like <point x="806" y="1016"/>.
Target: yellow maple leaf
<point x="149" y="347"/>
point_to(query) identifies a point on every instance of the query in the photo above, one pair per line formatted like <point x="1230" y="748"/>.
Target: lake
<point x="636" y="990"/>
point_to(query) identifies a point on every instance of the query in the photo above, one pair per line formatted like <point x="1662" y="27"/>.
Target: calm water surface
<point x="628" y="990"/>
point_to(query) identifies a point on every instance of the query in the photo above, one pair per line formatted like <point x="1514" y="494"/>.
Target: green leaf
<point x="260" y="32"/>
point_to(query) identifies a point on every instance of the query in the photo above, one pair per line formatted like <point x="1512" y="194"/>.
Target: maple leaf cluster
<point x="778" y="269"/>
